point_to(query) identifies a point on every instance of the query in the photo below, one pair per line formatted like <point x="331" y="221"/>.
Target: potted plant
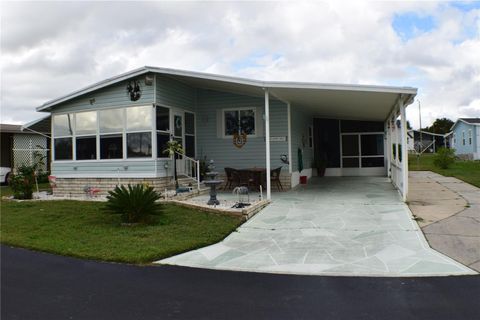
<point x="174" y="147"/>
<point x="321" y="165"/>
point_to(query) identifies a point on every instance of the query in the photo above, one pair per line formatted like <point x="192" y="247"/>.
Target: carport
<point x="348" y="117"/>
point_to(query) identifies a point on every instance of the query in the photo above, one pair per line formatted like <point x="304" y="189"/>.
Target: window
<point x="111" y="146"/>
<point x="63" y="148"/>
<point x="363" y="150"/>
<point x="111" y="125"/>
<point x="189" y="134"/>
<point x="163" y="130"/>
<point x="454" y="138"/>
<point x="470" y="136"/>
<point x="239" y="121"/>
<point x="139" y="134"/>
<point x="139" y="145"/>
<point x="63" y="125"/>
<point x="86" y="148"/>
<point x="310" y="137"/>
<point x="139" y="118"/>
<point x="86" y="135"/>
<point x="463" y="137"/>
<point x="63" y="136"/>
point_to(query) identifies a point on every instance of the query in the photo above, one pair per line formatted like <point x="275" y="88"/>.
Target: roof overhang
<point x="362" y="102"/>
<point x="466" y="122"/>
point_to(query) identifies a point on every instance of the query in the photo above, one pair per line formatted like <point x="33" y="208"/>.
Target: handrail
<point x="191" y="168"/>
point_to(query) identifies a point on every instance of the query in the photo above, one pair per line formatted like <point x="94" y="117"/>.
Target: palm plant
<point x="134" y="203"/>
<point x="174" y="147"/>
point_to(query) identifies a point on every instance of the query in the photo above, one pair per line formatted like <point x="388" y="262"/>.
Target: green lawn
<point x="468" y="171"/>
<point x="82" y="229"/>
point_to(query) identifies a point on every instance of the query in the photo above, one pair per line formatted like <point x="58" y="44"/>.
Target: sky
<point x="49" y="49"/>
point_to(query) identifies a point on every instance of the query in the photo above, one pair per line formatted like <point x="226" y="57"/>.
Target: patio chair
<point x="245" y="178"/>
<point x="275" y="178"/>
<point x="231" y="177"/>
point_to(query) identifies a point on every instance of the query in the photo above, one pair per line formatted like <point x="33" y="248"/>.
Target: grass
<point x="468" y="171"/>
<point x="84" y="230"/>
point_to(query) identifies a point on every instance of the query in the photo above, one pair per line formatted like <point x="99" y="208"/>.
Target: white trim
<point x="267" y="143"/>
<point x="289" y="137"/>
<point x="110" y="175"/>
<point x="466" y="122"/>
<point x="355" y="172"/>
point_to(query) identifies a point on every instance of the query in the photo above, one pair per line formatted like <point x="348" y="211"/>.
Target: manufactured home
<point x="115" y="131"/>
<point x="465" y="138"/>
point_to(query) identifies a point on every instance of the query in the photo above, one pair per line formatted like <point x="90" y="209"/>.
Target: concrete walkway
<point x="450" y="209"/>
<point x="332" y="226"/>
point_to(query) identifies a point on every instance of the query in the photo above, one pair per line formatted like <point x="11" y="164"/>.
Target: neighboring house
<point x="465" y="138"/>
<point x="115" y="131"/>
<point x="426" y="142"/>
<point x="25" y="144"/>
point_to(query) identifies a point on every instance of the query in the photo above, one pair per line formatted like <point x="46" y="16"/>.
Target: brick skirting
<point x="75" y="187"/>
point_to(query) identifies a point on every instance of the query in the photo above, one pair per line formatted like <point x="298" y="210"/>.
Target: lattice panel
<point x="29" y="149"/>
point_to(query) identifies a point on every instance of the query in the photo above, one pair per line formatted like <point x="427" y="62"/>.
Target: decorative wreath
<point x="239" y="139"/>
<point x="134" y="90"/>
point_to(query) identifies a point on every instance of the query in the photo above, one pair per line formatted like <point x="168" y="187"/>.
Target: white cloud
<point x="50" y="49"/>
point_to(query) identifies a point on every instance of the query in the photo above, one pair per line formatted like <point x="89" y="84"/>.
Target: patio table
<point x="258" y="176"/>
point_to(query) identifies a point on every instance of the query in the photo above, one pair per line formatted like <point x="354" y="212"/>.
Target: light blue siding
<point x="468" y="148"/>
<point x="222" y="150"/>
<point x="173" y="93"/>
<point x="103" y="167"/>
<point x="115" y="95"/>
<point x="301" y="122"/>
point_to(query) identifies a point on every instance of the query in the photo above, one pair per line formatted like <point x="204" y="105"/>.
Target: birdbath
<point x="212" y="183"/>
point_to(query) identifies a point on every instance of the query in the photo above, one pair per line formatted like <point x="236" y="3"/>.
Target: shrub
<point x="134" y="203"/>
<point x="444" y="158"/>
<point x="22" y="182"/>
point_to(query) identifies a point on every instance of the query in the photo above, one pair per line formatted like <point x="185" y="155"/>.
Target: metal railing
<point x="188" y="167"/>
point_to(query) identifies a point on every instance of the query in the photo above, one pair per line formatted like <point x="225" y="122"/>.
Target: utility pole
<point x="420" y="120"/>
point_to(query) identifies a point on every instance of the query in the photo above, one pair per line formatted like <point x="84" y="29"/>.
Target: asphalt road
<point x="42" y="286"/>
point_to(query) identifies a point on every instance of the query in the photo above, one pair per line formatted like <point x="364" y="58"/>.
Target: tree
<point x="174" y="147"/>
<point x="440" y="126"/>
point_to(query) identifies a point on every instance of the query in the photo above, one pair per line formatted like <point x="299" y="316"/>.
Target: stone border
<point x="245" y="213"/>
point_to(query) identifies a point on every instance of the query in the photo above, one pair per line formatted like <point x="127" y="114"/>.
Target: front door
<point x="178" y="135"/>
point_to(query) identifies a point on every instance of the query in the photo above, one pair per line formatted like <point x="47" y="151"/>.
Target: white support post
<point x="388" y="146"/>
<point x="267" y="143"/>
<point x="403" y="125"/>
<point x="289" y="137"/>
<point x="198" y="174"/>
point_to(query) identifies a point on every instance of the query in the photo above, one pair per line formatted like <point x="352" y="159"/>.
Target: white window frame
<point x="310" y="137"/>
<point x="239" y="109"/>
<point x="470" y="138"/>
<point x="463" y="138"/>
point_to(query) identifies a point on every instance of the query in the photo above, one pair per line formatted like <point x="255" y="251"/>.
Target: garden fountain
<point x="212" y="183"/>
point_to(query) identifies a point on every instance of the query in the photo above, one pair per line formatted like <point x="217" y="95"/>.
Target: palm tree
<point x="174" y="147"/>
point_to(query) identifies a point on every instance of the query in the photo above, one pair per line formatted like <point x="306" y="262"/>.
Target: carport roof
<point x="319" y="99"/>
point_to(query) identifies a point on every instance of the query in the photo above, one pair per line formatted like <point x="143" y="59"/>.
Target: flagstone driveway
<point x="332" y="226"/>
